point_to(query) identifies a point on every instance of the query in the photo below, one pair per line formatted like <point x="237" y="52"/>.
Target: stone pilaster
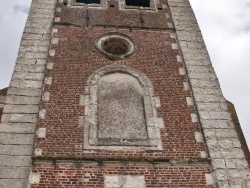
<point x="20" y="114"/>
<point x="230" y="168"/>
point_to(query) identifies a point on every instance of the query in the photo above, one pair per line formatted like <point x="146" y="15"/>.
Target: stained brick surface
<point x="76" y="59"/>
<point x="93" y="176"/>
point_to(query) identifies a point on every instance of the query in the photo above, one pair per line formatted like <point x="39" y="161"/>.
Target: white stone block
<point x="209" y="179"/>
<point x="41" y="132"/>
<point x="190" y="101"/>
<point x="54" y="30"/>
<point x="170" y="25"/>
<point x="50" y="66"/>
<point x="48" y="80"/>
<point x="194" y="118"/>
<point x="124" y="181"/>
<point x="38" y="152"/>
<point x="134" y="181"/>
<point x="174" y="46"/>
<point x="204" y="154"/>
<point x="34" y="178"/>
<point x="186" y="86"/>
<point x="157" y="102"/>
<point x="173" y="35"/>
<point x="52" y="53"/>
<point x="57" y="19"/>
<point x="179" y="58"/>
<point x="81" y="121"/>
<point x="113" y="181"/>
<point x="218" y="164"/>
<point x="46" y="96"/>
<point x="42" y="114"/>
<point x="182" y="71"/>
<point x="167" y="15"/>
<point x="156" y="122"/>
<point x="54" y="40"/>
<point x="58" y="9"/>
<point x="198" y="137"/>
<point x="82" y="100"/>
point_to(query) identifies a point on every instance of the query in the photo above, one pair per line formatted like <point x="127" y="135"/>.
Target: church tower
<point x="117" y="94"/>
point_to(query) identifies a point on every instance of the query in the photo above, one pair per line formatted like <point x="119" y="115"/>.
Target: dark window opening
<point x="89" y="1"/>
<point x="138" y="3"/>
<point x="116" y="46"/>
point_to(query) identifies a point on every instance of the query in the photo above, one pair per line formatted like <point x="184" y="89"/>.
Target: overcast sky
<point x="225" y="26"/>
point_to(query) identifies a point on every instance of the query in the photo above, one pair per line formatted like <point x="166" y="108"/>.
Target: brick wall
<point x="90" y="176"/>
<point x="76" y="59"/>
<point x="59" y="156"/>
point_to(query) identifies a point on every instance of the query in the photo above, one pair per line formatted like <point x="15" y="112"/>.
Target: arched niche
<point x="120" y="111"/>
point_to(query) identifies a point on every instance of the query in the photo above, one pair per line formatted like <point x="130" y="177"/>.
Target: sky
<point x="225" y="25"/>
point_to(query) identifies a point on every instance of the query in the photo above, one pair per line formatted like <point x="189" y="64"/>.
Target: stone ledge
<point x="120" y="161"/>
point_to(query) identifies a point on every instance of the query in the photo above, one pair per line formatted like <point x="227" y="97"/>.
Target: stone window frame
<point x="151" y="102"/>
<point x="131" y="45"/>
<point x="123" y="6"/>
<point x="103" y="4"/>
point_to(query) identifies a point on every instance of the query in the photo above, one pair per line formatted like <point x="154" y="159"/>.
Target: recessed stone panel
<point x="124" y="181"/>
<point x="120" y="109"/>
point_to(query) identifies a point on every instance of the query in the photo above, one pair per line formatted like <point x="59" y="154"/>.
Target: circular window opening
<point x="115" y="46"/>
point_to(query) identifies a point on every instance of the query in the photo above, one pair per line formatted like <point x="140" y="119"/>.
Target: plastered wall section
<point x="230" y="168"/>
<point x="19" y="119"/>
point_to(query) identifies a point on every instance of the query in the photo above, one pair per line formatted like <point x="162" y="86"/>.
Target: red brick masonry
<point x="93" y="176"/>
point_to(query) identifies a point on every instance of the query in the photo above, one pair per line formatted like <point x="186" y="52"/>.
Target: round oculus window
<point x="115" y="46"/>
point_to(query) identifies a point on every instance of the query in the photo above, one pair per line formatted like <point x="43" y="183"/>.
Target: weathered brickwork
<point x="76" y="59"/>
<point x="90" y="176"/>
